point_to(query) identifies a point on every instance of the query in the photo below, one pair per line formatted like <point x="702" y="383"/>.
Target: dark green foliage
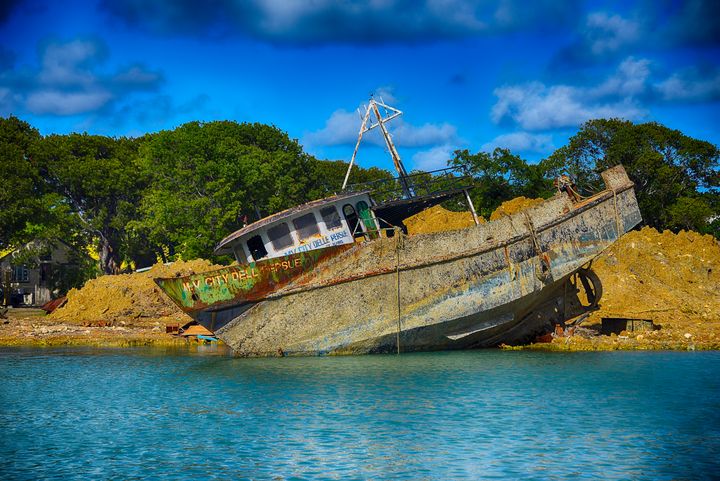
<point x="331" y="174"/>
<point x="209" y="179"/>
<point x="22" y="204"/>
<point x="100" y="182"/>
<point x="501" y="176"/>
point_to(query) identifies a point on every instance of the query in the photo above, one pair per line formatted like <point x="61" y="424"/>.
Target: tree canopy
<point x="500" y="176"/>
<point x="176" y="193"/>
<point x="676" y="177"/>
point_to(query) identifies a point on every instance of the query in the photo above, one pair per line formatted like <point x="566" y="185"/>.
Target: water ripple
<point x="164" y="414"/>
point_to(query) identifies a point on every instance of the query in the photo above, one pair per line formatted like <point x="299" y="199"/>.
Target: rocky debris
<point x="30" y="329"/>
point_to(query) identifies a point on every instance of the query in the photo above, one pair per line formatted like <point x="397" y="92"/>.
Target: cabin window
<point x="351" y="218"/>
<point x="257" y="248"/>
<point x="306" y="226"/>
<point x="280" y="236"/>
<point x="330" y="217"/>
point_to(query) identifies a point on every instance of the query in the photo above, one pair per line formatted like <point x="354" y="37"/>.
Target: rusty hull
<point x="241" y="284"/>
<point x="473" y="287"/>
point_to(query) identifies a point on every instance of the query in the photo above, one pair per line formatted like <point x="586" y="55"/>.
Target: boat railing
<point x="417" y="184"/>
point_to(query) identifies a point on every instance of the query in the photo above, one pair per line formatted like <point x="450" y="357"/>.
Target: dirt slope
<point x="128" y="299"/>
<point x="438" y="219"/>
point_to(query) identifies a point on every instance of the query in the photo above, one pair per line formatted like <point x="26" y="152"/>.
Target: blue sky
<point x="467" y="74"/>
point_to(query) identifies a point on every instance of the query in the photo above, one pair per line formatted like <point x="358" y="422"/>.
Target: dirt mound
<point x="128" y="299"/>
<point x="513" y="206"/>
<point x="438" y="219"/>
<point x="673" y="279"/>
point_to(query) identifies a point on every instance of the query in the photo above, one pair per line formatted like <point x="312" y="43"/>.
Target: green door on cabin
<point x="366" y="216"/>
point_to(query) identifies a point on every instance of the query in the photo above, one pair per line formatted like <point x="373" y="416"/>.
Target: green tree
<point x="676" y="177"/>
<point x="500" y="176"/>
<point x="22" y="193"/>
<point x="207" y="179"/>
<point x="100" y="183"/>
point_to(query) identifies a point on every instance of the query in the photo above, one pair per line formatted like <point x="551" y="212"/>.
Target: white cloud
<point x="607" y="33"/>
<point x="138" y="77"/>
<point x="385" y="95"/>
<point x="521" y="142"/>
<point x="630" y="79"/>
<point x="68" y="82"/>
<point x="407" y="135"/>
<point x="535" y="106"/>
<point x="65" y="64"/>
<point x="433" y="159"/>
<point x="66" y="103"/>
<point x="690" y="86"/>
<point x="342" y="129"/>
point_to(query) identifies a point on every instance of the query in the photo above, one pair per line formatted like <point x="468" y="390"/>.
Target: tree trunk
<point x="109" y="259"/>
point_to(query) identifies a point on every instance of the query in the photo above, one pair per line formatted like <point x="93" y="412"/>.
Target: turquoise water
<point x="156" y="414"/>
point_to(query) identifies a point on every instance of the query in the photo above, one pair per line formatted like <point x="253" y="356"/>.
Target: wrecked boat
<point x="339" y="275"/>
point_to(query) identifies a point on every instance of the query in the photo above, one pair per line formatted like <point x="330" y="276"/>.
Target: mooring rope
<point x="398" y="246"/>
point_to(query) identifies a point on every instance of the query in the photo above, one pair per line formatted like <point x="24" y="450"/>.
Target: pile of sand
<point x="438" y="219"/>
<point x="673" y="279"/>
<point x="128" y="299"/>
<point x="513" y="206"/>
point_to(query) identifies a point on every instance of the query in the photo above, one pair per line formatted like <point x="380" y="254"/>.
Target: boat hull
<point x="474" y="287"/>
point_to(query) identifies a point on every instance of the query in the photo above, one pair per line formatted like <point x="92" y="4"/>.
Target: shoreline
<point x="32" y="328"/>
<point x="41" y="331"/>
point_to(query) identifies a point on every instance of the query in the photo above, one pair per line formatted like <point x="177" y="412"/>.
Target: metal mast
<point x="372" y="108"/>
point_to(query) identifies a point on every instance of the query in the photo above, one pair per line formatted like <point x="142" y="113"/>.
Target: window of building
<point x="306" y="226"/>
<point x="257" y="247"/>
<point x="279" y="236"/>
<point x="19" y="274"/>
<point x="330" y="217"/>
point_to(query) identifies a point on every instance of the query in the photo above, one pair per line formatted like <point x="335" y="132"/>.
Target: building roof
<point x="284" y="215"/>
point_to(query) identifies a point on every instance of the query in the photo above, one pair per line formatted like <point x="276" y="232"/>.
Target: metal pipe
<point x="472" y="207"/>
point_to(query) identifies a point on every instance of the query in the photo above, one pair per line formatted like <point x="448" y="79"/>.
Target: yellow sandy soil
<point x="437" y="219"/>
<point x="671" y="279"/>
<point x="512" y="206"/>
<point x="128" y="299"/>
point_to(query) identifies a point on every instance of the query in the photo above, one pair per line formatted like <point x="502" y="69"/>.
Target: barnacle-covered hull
<point x="479" y="286"/>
